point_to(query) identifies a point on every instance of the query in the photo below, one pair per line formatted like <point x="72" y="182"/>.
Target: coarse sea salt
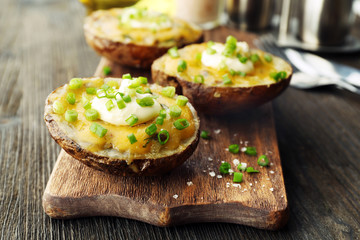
<point x="217" y="131"/>
<point x="175" y="196"/>
<point x="189" y="183"/>
<point x="212" y="174"/>
<point x="236" y="162"/>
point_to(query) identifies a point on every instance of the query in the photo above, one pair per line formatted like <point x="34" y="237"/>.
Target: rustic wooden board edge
<point x="163" y="216"/>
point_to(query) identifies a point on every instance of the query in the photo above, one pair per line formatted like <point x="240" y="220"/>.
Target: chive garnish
<point x="251" y="151"/>
<point x="163" y="136"/>
<point x="263" y="160"/>
<point x="181" y="124"/>
<point x="224" y="168"/>
<point x="98" y="130"/>
<point x="71" y="115"/>
<point x="205" y="134"/>
<point x="237" y="177"/>
<point x="234" y="148"/>
<point x="132" y="138"/>
<point x="91" y="114"/>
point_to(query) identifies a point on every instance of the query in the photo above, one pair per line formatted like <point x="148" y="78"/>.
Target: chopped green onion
<point x="71" y="115"/>
<point x="113" y="83"/>
<point x="163" y="136"/>
<point x="242" y="166"/>
<point x="150" y="130"/>
<point x="135" y="83"/>
<point x="75" y="83"/>
<point x="139" y="90"/>
<point x="278" y="75"/>
<point x="101" y="93"/>
<point x="107" y="70"/>
<point x="173" y="52"/>
<point x="243" y="59"/>
<point x="70" y="97"/>
<point x="145" y="102"/>
<point x="110" y="93"/>
<point x="224" y="168"/>
<point x="105" y="87"/>
<point x="126" y="98"/>
<point x="87" y="105"/>
<point x="199" y="79"/>
<point x="251" y="170"/>
<point x="210" y="51"/>
<point x="226" y="79"/>
<point x="147" y="90"/>
<point x="263" y="160"/>
<point x="181" y="124"/>
<point x="242" y="74"/>
<point x="121" y="104"/>
<point x="159" y="120"/>
<point x="109" y="105"/>
<point x="131" y="92"/>
<point x="168" y="92"/>
<point x="91" y="114"/>
<point x="132" y="138"/>
<point x="181" y="66"/>
<point x="175" y="111"/>
<point x="232" y="72"/>
<point x="237" y="177"/>
<point x="98" y="130"/>
<point x="230" y="46"/>
<point x="181" y="100"/>
<point x="162" y="113"/>
<point x="234" y="148"/>
<point x="251" y="151"/>
<point x="91" y="91"/>
<point x="205" y="134"/>
<point x="132" y="120"/>
<point x="143" y="80"/>
<point x="126" y="76"/>
<point x="58" y="107"/>
<point x="254" y="58"/>
<point x="198" y="57"/>
<point x="268" y="58"/>
<point x="210" y="43"/>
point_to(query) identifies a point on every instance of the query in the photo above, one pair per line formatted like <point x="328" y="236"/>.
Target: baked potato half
<point x="223" y="78"/>
<point x="136" y="37"/>
<point x="123" y="126"/>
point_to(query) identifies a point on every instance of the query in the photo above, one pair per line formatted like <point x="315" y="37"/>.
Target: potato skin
<point x="229" y="100"/>
<point x="130" y="54"/>
<point x="146" y="167"/>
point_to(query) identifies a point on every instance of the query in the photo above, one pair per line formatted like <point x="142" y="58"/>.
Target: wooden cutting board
<point x="194" y="192"/>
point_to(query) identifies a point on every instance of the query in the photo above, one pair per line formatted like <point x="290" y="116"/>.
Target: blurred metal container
<point x="250" y="14"/>
<point x="325" y="22"/>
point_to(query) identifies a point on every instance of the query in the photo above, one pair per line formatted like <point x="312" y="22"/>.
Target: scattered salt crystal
<point x="271" y="172"/>
<point x="268" y="179"/>
<point x="245" y="190"/>
<point x="246" y="143"/>
<point x="204" y="170"/>
<point x="254" y="189"/>
<point x="222" y="161"/>
<point x="226" y="149"/>
<point x="272" y="189"/>
<point x="236" y="162"/>
<point x="210" y="158"/>
<point x="175" y="196"/>
<point x="250" y="184"/>
<point x="241" y="142"/>
<point x="219" y="176"/>
<point x="263" y="186"/>
<point x="282" y="196"/>
<point x="270" y="152"/>
<point x="235" y="134"/>
<point x="217" y="131"/>
<point x="212" y="174"/>
<point x="231" y="171"/>
<point x="243" y="149"/>
<point x="227" y="184"/>
<point x="255" y="182"/>
<point x="189" y="183"/>
<point x="271" y="164"/>
<point x="236" y="185"/>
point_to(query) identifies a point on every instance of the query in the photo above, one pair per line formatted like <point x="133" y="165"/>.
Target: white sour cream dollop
<point x="118" y="116"/>
<point x="217" y="59"/>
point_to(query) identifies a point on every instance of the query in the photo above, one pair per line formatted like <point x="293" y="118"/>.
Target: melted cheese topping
<point x="213" y="75"/>
<point x="116" y="137"/>
<point x="131" y="25"/>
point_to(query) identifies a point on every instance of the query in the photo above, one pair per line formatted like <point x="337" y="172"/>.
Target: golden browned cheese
<point x="213" y="77"/>
<point x="106" y="24"/>
<point x="116" y="137"/>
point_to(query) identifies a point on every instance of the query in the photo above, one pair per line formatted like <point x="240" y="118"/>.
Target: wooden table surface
<point x="42" y="47"/>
